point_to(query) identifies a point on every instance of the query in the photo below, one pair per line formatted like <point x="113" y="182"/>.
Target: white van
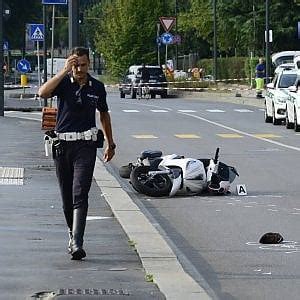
<point x="284" y="57"/>
<point x="58" y="64"/>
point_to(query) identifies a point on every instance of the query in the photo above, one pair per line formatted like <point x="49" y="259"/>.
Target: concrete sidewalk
<point x="33" y="235"/>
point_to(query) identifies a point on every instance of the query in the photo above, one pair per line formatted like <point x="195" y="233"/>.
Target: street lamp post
<point x="73" y="23"/>
<point x="267" y="38"/>
<point x="215" y="40"/>
<point x="176" y="46"/>
<point x="1" y="62"/>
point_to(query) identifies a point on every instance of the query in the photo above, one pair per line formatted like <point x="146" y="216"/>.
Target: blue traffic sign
<point x="53" y="2"/>
<point x="36" y="32"/>
<point x="23" y="66"/>
<point x="167" y="38"/>
<point x="5" y="45"/>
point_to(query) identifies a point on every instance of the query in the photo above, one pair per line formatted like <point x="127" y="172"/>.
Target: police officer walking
<point x="77" y="139"/>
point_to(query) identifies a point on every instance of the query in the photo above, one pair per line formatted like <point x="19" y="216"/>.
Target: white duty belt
<point x="87" y="135"/>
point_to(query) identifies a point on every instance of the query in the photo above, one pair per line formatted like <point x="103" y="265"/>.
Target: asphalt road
<point x="216" y="238"/>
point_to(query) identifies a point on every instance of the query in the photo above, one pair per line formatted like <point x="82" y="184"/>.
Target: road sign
<point x="167" y="38"/>
<point x="36" y="32"/>
<point x="158" y="41"/>
<point x="5" y="45"/>
<point x="177" y="39"/>
<point x="23" y="66"/>
<point x="53" y="2"/>
<point x="167" y="22"/>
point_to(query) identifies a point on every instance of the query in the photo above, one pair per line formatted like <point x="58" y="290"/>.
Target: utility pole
<point x="267" y="38"/>
<point x="1" y="62"/>
<point x="73" y="8"/>
<point x="176" y="46"/>
<point x="45" y="48"/>
<point x="215" y="39"/>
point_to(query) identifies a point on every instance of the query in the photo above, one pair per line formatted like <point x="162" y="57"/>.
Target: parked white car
<point x="277" y="94"/>
<point x="293" y="106"/>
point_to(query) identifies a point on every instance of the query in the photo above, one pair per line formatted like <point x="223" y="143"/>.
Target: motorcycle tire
<point x="158" y="186"/>
<point x="125" y="171"/>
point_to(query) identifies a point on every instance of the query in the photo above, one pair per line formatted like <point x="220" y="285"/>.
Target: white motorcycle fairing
<point x="191" y="179"/>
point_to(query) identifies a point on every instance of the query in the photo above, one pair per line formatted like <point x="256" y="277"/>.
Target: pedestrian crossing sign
<point x="37" y="32"/>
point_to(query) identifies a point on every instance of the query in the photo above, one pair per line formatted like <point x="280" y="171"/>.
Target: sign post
<point x="1" y="63"/>
<point x="23" y="66"/>
<point x="37" y="34"/>
<point x="167" y="38"/>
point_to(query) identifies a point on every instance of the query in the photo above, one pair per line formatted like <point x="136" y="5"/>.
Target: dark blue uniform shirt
<point x="77" y="105"/>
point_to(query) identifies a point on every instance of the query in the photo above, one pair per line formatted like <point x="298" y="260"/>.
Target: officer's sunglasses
<point x="78" y="100"/>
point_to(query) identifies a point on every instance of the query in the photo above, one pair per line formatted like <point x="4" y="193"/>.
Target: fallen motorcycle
<point x="156" y="175"/>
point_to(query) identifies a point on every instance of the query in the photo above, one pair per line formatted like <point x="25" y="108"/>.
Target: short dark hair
<point x="81" y="51"/>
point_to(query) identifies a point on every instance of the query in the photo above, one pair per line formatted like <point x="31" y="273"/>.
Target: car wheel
<point x="133" y="93"/>
<point x="268" y="119"/>
<point x="164" y="94"/>
<point x="296" y="126"/>
<point x="122" y="94"/>
<point x="152" y="95"/>
<point x="274" y="119"/>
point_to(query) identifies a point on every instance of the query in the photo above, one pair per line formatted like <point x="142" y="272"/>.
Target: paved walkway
<point x="33" y="235"/>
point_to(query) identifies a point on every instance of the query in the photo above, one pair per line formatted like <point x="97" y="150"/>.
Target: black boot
<point x="69" y="220"/>
<point x="79" y="220"/>
<point x="70" y="241"/>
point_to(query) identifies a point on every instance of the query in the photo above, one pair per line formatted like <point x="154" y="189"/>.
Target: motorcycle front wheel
<point x="154" y="186"/>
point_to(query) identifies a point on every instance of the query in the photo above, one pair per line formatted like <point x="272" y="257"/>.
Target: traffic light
<point x="80" y="19"/>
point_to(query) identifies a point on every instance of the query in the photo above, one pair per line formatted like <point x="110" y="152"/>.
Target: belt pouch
<point x="57" y="149"/>
<point x="100" y="139"/>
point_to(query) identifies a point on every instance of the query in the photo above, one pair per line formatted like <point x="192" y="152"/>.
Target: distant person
<point x="144" y="77"/>
<point x="260" y="74"/>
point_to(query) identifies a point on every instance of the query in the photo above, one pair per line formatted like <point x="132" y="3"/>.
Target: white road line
<point x="243" y="110"/>
<point x="215" y="110"/>
<point x="130" y="110"/>
<point x="159" y="110"/>
<point x="36" y="118"/>
<point x="242" y="132"/>
<point x="187" y="110"/>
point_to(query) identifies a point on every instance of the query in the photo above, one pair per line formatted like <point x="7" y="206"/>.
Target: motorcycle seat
<point x="150" y="154"/>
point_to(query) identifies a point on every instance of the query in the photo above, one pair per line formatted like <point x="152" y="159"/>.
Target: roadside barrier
<point x="209" y="85"/>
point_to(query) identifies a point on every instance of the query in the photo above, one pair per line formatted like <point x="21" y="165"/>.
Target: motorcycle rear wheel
<point x="124" y="171"/>
<point x="154" y="186"/>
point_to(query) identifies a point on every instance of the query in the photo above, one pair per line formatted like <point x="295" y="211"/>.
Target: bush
<point x="231" y="68"/>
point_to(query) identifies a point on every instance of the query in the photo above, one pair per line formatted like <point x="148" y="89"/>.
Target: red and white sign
<point x="167" y="22"/>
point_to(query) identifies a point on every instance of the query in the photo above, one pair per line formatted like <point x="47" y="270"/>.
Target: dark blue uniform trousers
<point x="74" y="170"/>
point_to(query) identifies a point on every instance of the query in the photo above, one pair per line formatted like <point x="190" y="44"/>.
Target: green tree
<point x="127" y="33"/>
<point x="21" y="12"/>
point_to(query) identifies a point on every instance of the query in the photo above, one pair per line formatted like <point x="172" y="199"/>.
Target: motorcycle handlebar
<point x="216" y="155"/>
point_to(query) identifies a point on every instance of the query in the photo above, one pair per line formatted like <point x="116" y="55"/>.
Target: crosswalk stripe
<point x="187" y="110"/>
<point x="144" y="136"/>
<point x="215" y="110"/>
<point x="130" y="110"/>
<point x="187" y="136"/>
<point x="159" y="110"/>
<point x="229" y="135"/>
<point x="243" y="110"/>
